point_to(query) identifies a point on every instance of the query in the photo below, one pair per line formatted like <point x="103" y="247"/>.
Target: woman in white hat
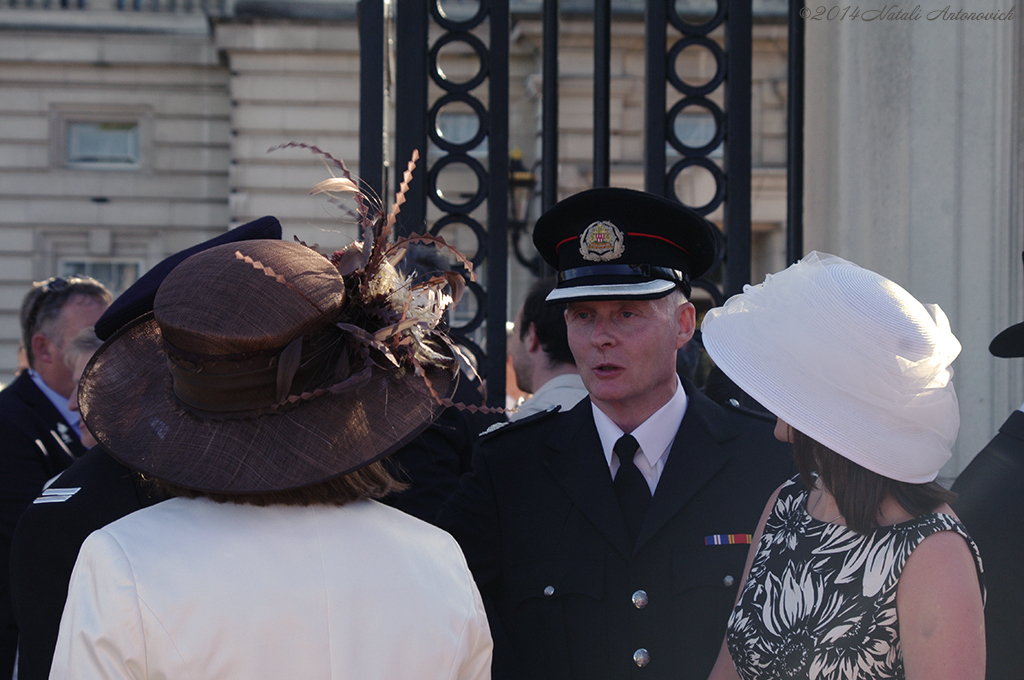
<point x="859" y="568"/>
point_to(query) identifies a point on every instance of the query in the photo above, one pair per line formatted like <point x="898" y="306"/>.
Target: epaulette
<point x="509" y="425"/>
<point x="734" y="405"/>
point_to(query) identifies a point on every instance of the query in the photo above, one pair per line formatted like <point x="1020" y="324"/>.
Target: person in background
<point x="610" y="537"/>
<point x="543" y="363"/>
<point x="990" y="501"/>
<point x="39" y="436"/>
<point x="271" y="560"/>
<point x="93" y="492"/>
<point x="859" y="568"/>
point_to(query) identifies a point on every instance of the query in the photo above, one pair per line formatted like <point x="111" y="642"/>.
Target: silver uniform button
<point x="640" y="599"/>
<point x="728" y="581"/>
<point x="549" y="591"/>
<point x="641" y="658"/>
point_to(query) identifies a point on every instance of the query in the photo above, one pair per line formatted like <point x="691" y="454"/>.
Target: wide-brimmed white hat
<point x="847" y="357"/>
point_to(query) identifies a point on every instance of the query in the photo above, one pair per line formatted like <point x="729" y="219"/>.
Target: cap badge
<point x="601" y="241"/>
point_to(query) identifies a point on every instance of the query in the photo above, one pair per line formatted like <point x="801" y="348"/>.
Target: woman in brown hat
<point x="262" y="391"/>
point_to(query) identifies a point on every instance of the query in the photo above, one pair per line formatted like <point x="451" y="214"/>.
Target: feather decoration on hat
<point x="396" y="316"/>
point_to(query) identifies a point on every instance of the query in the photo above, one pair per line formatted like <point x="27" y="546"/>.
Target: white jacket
<point x="191" y="589"/>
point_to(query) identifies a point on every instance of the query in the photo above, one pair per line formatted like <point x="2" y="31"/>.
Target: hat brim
<point x="1009" y="344"/>
<point x="646" y="290"/>
<point x="127" y="403"/>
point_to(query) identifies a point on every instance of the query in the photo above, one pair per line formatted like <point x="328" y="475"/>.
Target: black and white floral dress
<point x="820" y="600"/>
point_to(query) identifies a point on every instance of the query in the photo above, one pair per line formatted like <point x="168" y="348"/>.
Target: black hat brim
<point x="1010" y="343"/>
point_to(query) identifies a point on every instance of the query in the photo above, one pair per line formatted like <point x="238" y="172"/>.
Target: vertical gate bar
<point x="656" y="22"/>
<point x="738" y="39"/>
<point x="549" y="107"/>
<point x="602" y="91"/>
<point x="371" y="94"/>
<point x="410" y="109"/>
<point x="497" y="202"/>
<point x="795" y="136"/>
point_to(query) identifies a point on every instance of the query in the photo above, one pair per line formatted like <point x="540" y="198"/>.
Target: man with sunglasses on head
<point x="39" y="435"/>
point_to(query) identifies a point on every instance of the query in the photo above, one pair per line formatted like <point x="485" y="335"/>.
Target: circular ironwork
<point x="481" y="184"/>
<point x="478" y="231"/>
<point x="710" y="107"/>
<point x="686" y="28"/>
<point x="719" y="252"/>
<point x="673" y="72"/>
<point x="481" y="310"/>
<point x="481" y="116"/>
<point x="479" y="357"/>
<point x="477" y="46"/>
<point x="710" y="166"/>
<point x="450" y="24"/>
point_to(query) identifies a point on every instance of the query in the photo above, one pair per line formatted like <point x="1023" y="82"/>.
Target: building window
<point x="115" y="274"/>
<point x="98" y="137"/>
<point x="102" y="144"/>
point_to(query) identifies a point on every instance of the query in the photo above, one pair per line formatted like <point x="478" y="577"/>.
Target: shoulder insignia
<point x="510" y="425"/>
<point x="735" y="406"/>
<point x="57" y="495"/>
<point x="495" y="426"/>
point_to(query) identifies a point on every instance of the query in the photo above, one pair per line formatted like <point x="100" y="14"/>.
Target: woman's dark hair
<point x="859" y="492"/>
<point x="370" y="482"/>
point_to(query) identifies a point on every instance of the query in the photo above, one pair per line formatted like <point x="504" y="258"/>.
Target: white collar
<point x="59" y="401"/>
<point x="655" y="435"/>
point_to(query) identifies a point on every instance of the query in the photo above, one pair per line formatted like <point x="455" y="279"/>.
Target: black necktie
<point x="630" y="485"/>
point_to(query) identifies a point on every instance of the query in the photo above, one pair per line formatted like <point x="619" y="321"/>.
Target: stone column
<point x="914" y="170"/>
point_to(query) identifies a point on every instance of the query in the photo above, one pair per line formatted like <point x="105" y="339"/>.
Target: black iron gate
<point x="416" y="64"/>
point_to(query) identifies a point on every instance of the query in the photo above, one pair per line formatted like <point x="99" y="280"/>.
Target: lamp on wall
<point x="522" y="184"/>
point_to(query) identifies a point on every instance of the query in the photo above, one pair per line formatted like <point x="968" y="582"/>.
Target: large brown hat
<point x="261" y="369"/>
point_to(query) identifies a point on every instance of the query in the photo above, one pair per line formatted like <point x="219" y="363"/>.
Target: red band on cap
<point x="660" y="238"/>
<point x="564" y="241"/>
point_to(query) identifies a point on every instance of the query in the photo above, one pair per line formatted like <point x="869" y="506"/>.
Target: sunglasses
<point x="53" y="286"/>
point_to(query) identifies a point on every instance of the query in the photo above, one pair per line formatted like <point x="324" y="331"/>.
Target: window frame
<point x="63" y="116"/>
<point x="88" y="260"/>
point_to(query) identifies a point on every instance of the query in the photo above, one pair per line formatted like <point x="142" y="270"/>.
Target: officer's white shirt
<point x="655" y="436"/>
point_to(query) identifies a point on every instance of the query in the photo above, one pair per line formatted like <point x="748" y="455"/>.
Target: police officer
<point x="609" y="539"/>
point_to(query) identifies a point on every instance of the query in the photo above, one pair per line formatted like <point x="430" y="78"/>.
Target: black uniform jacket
<point x="991" y="506"/>
<point x="36" y="443"/>
<point x="542" y="531"/>
<point x="432" y="463"/>
<point x="93" y="492"/>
